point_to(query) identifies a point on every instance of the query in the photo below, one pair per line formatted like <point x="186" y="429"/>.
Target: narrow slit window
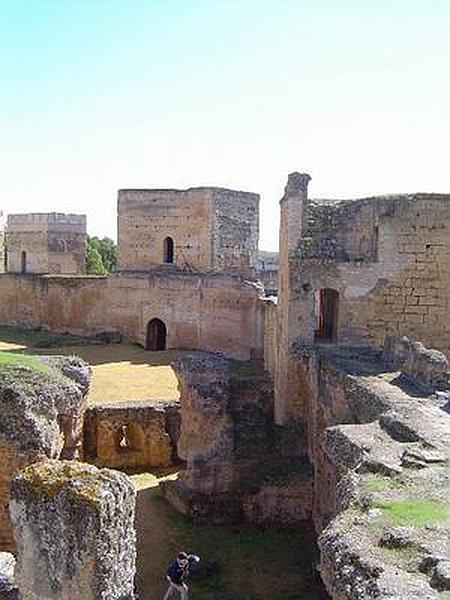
<point x="168" y="250"/>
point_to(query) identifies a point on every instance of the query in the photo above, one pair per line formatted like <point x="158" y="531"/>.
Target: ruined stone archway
<point x="156" y="335"/>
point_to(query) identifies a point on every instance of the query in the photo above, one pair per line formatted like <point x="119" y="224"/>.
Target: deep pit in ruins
<point x="244" y="557"/>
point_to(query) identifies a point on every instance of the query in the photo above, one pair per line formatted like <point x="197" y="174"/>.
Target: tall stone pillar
<point x="74" y="530"/>
<point x="293" y="215"/>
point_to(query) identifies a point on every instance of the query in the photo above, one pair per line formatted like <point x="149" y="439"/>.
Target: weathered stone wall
<point x="388" y="260"/>
<point x="292" y="208"/>
<point x="147" y="217"/>
<point x="267" y="274"/>
<point x="41" y="415"/>
<point x="400" y="287"/>
<point x="74" y="529"/>
<point x="215" y="312"/>
<point x="52" y="243"/>
<point x="426" y="367"/>
<point x="132" y="434"/>
<point x="271" y="334"/>
<point x="235" y="231"/>
<point x="212" y="229"/>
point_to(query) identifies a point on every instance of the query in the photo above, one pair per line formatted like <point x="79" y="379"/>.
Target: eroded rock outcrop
<point x="42" y="402"/>
<point x="74" y="529"/>
<point x="381" y="485"/>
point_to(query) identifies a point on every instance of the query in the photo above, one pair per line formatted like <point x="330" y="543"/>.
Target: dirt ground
<point x="243" y="563"/>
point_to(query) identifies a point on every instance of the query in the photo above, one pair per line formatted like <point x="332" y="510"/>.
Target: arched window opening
<point x="168" y="250"/>
<point x="156" y="335"/>
<point x="327" y="307"/>
<point x="130" y="438"/>
<point x="23" y="262"/>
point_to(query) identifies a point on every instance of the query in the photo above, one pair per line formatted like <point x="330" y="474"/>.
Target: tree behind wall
<point x="101" y="256"/>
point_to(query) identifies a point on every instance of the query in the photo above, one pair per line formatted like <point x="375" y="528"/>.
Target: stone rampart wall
<point x="217" y="312"/>
<point x="41" y="416"/>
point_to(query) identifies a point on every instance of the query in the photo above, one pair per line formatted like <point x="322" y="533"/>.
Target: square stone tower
<point x="46" y="243"/>
<point x="199" y="229"/>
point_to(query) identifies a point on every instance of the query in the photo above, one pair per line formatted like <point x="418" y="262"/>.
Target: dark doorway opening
<point x="156" y="335"/>
<point x="327" y="315"/>
<point x="23" y="262"/>
<point x="168" y="250"/>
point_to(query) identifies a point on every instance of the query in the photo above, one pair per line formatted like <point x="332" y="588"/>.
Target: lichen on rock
<point x="74" y="528"/>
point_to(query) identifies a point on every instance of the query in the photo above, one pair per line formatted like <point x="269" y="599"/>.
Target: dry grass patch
<point x="119" y="371"/>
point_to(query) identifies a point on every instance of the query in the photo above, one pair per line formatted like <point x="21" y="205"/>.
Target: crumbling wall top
<point x="296" y="183"/>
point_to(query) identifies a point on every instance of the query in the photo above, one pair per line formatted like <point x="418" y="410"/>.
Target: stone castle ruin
<point x="326" y="407"/>
<point x="186" y="275"/>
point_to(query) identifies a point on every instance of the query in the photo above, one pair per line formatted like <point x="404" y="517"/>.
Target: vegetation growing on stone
<point x="380" y="484"/>
<point x="50" y="477"/>
<point x="417" y="512"/>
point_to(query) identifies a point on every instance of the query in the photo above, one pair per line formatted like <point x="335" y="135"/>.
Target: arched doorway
<point x="168" y="250"/>
<point x="156" y="335"/>
<point x="327" y="315"/>
<point x="23" y="262"/>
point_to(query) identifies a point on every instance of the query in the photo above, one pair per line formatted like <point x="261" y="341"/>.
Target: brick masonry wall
<point x="387" y="257"/>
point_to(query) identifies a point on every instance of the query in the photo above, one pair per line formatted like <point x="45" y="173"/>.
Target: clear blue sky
<point x="102" y="94"/>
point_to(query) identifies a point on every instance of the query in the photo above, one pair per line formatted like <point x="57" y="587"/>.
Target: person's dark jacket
<point x="177" y="573"/>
